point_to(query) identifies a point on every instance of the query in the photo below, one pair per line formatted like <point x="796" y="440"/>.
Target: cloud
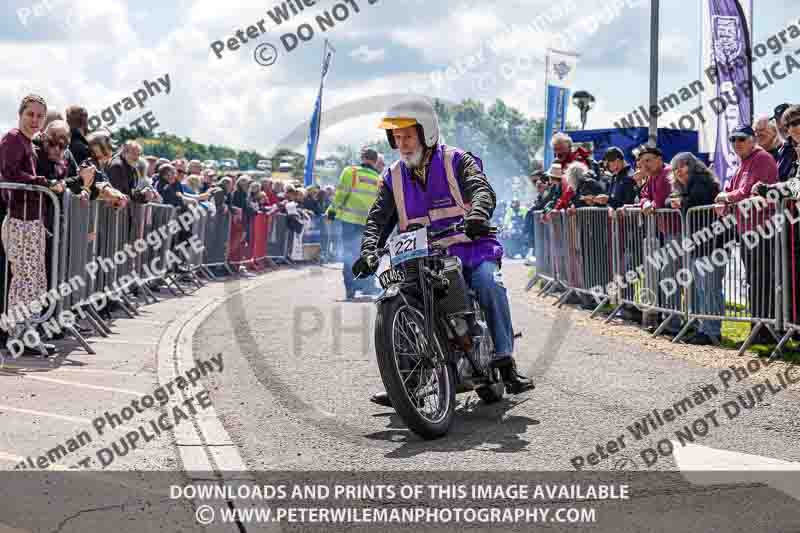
<point x="474" y="49"/>
<point x="365" y="54"/>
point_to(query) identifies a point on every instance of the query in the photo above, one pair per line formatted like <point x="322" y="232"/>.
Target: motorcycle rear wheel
<point x="422" y="393"/>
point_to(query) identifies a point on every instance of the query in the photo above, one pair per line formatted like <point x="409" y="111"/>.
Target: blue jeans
<point x="487" y="283"/>
<point x="351" y="244"/>
<point x="669" y="271"/>
<point x="708" y="298"/>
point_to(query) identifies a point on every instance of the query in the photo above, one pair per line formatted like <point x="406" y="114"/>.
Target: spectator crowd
<point x="768" y="153"/>
<point x="56" y="151"/>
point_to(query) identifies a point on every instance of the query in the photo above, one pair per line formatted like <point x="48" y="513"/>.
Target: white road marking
<point x="42" y="413"/>
<point x="120" y="341"/>
<point x="83" y="385"/>
<point x="702" y="465"/>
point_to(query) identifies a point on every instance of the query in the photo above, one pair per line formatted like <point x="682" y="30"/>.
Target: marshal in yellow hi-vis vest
<point x="355" y="194"/>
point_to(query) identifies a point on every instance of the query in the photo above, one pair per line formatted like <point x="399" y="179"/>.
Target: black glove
<point x="761" y="189"/>
<point x="365" y="266"/>
<point x="331" y="214"/>
<point x="474" y="228"/>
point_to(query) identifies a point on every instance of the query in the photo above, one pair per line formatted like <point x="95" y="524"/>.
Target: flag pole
<point x="546" y="108"/>
<point x="654" y="29"/>
<point x="316" y="118"/>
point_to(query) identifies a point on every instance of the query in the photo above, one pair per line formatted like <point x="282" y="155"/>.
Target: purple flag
<point x="730" y="56"/>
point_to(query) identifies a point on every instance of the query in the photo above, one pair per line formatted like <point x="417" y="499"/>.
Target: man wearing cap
<point x="355" y="194"/>
<point x="540" y="180"/>
<point x="787" y="153"/>
<point x="657" y="188"/>
<point x="621" y="189"/>
<point x="756" y="166"/>
<point x="554" y="176"/>
<point x="438" y="185"/>
<point x="653" y="196"/>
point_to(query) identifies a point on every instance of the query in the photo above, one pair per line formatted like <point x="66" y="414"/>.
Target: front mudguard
<point x="393" y="291"/>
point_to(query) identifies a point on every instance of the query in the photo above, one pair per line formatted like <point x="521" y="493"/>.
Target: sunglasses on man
<point x="737" y="139"/>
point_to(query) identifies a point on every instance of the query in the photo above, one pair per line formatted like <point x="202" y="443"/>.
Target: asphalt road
<point x="300" y="368"/>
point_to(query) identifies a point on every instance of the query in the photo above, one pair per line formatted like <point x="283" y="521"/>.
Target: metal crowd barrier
<point x="629" y="236"/>
<point x="48" y="210"/>
<point x="558" y="254"/>
<point x="589" y="263"/>
<point x="216" y="239"/>
<point x="544" y="265"/>
<point x="690" y="267"/>
<point x="83" y="238"/>
<point x="279" y="239"/>
<point x="789" y="300"/>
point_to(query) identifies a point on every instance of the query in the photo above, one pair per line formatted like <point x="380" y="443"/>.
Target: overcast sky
<point x="97" y="53"/>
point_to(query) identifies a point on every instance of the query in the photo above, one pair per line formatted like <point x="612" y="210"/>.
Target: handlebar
<point x="459" y="227"/>
<point x="435" y="234"/>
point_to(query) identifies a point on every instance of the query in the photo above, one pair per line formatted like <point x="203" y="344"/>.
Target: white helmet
<point x="413" y="111"/>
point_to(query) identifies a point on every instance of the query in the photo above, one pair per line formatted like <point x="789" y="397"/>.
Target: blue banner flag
<point x="316" y="118"/>
<point x="558" y="81"/>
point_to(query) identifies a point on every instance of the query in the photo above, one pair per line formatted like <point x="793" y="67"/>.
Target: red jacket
<point x="758" y="166"/>
<point x="580" y="155"/>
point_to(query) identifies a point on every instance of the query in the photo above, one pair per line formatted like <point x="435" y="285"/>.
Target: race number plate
<point x="408" y="245"/>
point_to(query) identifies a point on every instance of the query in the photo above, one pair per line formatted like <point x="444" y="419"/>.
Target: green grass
<point x="735" y="333"/>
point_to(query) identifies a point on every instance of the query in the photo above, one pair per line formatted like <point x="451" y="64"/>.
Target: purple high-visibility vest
<point x="440" y="204"/>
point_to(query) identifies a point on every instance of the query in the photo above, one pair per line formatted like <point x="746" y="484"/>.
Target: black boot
<point x="515" y="382"/>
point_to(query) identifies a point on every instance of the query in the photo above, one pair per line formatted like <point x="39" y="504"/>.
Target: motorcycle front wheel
<point x="419" y="382"/>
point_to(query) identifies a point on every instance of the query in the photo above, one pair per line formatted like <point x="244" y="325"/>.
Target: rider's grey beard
<point x="415" y="160"/>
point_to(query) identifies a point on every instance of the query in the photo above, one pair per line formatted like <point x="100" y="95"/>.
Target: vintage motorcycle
<point x="431" y="336"/>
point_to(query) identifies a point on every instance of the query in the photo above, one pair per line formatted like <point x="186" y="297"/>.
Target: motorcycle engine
<point x="456" y="300"/>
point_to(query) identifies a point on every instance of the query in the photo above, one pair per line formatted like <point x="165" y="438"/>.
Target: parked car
<point x="264" y="164"/>
<point x="286" y="165"/>
<point x="229" y="164"/>
<point x="210" y="163"/>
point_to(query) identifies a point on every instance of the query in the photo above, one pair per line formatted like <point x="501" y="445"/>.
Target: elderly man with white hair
<point x="767" y="136"/>
<point x="564" y="153"/>
<point x="782" y="151"/>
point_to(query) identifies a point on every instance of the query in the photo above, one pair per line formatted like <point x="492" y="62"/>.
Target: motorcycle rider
<point x="436" y="184"/>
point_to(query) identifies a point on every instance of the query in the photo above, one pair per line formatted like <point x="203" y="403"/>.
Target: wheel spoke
<point x="411" y="372"/>
<point x="408" y="337"/>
